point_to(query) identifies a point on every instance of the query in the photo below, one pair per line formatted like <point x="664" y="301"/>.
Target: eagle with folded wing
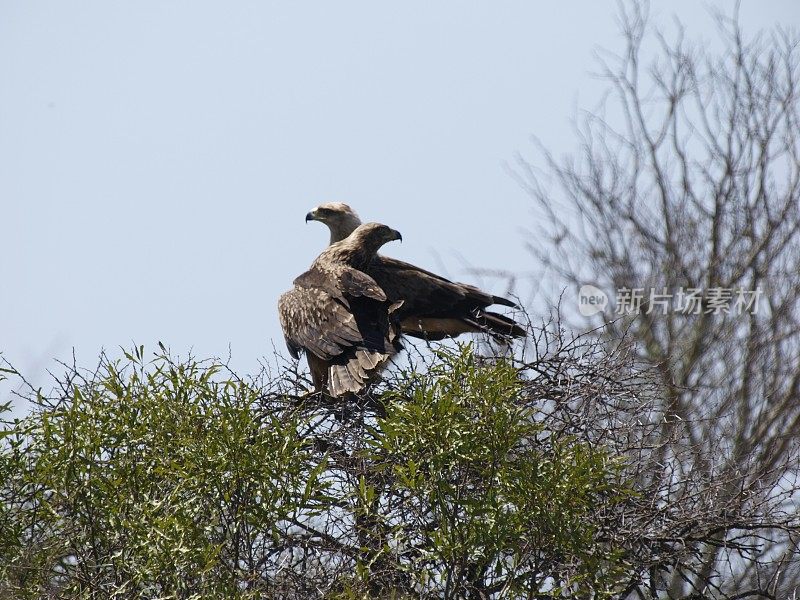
<point x="433" y="307"/>
<point x="340" y="317"/>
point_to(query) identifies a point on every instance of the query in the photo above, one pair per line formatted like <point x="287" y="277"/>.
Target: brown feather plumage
<point x="339" y="316"/>
<point x="433" y="307"/>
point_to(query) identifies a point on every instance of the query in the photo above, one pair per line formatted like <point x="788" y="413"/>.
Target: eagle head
<point x="371" y="236"/>
<point x="339" y="217"/>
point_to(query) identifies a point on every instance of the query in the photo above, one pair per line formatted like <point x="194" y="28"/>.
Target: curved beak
<point x="397" y="235"/>
<point x="310" y="217"/>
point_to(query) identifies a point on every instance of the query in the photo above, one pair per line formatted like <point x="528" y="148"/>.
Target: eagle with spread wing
<point x="432" y="307"/>
<point x="339" y="316"/>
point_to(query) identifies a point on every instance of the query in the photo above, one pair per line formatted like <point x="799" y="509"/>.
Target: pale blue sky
<point x="157" y="157"/>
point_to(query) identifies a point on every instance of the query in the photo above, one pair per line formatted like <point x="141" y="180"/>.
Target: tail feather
<point x="341" y="382"/>
<point x="365" y="360"/>
<point x="353" y="374"/>
<point x="504" y="301"/>
<point x="355" y="370"/>
<point x="500" y="324"/>
<point x="482" y="299"/>
<point x="431" y="329"/>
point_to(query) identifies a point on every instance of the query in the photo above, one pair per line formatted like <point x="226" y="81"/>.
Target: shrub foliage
<point x="467" y="477"/>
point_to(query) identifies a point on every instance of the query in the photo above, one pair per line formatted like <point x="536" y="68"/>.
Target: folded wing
<point x="434" y="307"/>
<point x="340" y="317"/>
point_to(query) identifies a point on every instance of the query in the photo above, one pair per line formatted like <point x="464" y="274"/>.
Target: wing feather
<point x="434" y="307"/>
<point x="314" y="321"/>
<point x="357" y="283"/>
<point x="341" y="317"/>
